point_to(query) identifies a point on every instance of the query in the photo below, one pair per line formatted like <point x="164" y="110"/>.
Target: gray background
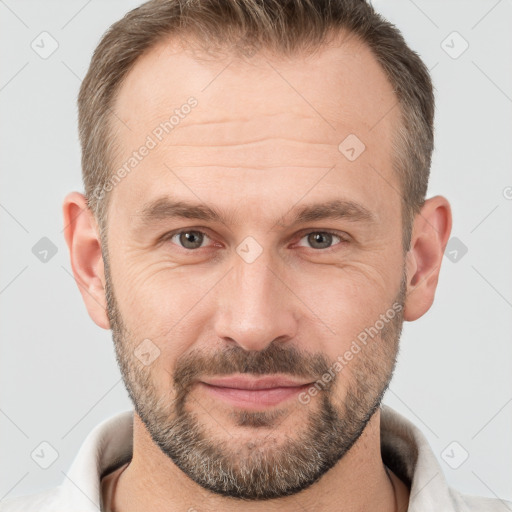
<point x="57" y="368"/>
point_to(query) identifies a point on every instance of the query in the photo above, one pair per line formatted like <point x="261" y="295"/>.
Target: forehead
<point x="340" y="82"/>
<point x="264" y="119"/>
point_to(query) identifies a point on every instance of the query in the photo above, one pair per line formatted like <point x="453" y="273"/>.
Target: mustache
<point x="274" y="359"/>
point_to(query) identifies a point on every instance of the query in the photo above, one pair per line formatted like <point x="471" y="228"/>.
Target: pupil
<point x="187" y="240"/>
<point x="318" y="237"/>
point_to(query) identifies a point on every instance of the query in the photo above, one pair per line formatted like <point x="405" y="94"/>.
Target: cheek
<point x="350" y="302"/>
<point x="162" y="303"/>
<point x="175" y="305"/>
<point x="348" y="296"/>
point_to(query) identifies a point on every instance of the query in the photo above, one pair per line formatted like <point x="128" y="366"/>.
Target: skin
<point x="263" y="140"/>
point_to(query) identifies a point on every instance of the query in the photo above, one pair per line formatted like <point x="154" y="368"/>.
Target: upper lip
<point x="272" y="381"/>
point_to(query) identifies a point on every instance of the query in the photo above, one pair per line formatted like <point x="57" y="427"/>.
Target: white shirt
<point x="405" y="450"/>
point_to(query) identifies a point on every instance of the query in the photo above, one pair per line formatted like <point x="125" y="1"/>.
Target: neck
<point x="357" y="482"/>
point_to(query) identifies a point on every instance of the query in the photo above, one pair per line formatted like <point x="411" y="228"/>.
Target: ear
<point x="82" y="237"/>
<point x="431" y="230"/>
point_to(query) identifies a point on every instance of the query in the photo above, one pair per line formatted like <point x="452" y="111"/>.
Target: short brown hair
<point x="283" y="26"/>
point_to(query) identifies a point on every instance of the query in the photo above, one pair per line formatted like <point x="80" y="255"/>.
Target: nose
<point x="255" y="306"/>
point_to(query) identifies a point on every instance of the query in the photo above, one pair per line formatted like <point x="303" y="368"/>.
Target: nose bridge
<point x="255" y="307"/>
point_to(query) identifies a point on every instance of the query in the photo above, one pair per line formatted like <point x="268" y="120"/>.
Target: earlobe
<point x="431" y="231"/>
<point x="84" y="244"/>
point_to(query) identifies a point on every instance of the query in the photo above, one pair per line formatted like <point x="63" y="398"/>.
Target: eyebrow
<point x="165" y="208"/>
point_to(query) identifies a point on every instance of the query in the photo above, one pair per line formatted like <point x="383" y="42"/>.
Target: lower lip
<point x="254" y="398"/>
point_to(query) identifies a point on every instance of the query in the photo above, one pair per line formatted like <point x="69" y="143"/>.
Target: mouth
<point x="253" y="393"/>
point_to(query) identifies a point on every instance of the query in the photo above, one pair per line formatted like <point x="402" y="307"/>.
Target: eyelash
<point x="343" y="239"/>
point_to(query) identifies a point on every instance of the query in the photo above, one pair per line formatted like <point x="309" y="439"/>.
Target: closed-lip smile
<point x="253" y="392"/>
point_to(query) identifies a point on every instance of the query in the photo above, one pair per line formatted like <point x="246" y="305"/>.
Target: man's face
<point x="259" y="291"/>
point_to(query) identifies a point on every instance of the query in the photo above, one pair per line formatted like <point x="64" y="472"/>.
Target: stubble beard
<point x="271" y="464"/>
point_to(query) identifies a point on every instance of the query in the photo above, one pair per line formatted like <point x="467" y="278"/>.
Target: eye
<point x="190" y="239"/>
<point x="321" y="239"/>
<point x="193" y="239"/>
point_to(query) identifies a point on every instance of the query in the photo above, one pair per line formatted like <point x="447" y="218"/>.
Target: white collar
<point x="404" y="448"/>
